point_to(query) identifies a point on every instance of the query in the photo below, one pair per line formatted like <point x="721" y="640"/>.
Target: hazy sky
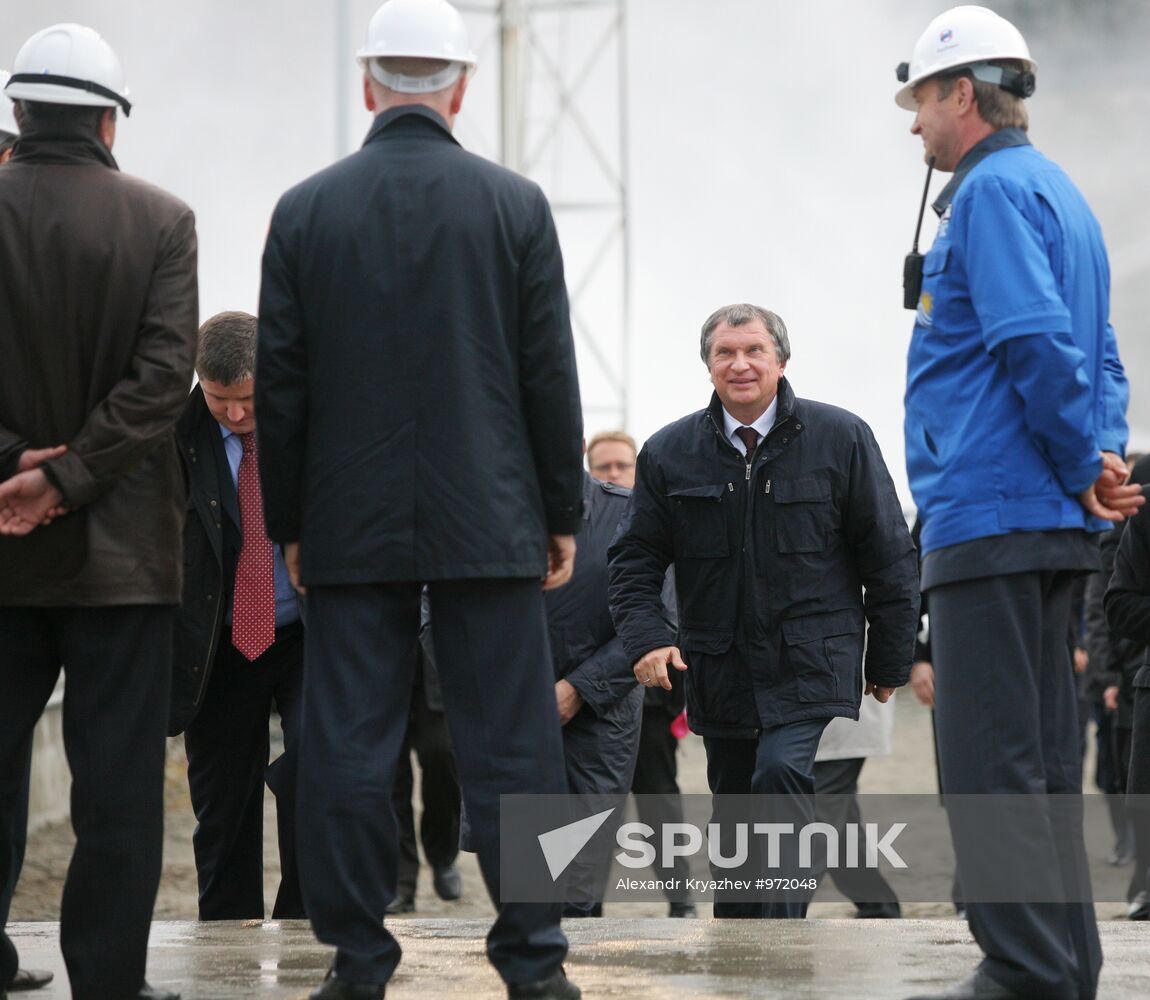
<point x="767" y="161"/>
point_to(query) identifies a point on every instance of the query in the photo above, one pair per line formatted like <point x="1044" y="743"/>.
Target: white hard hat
<point x="421" y="29"/>
<point x="7" y="118"/>
<point x="967" y="36"/>
<point x="68" y="64"/>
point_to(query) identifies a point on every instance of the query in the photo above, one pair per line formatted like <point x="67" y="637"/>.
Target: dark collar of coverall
<point x="1004" y="138"/>
<point x="68" y="148"/>
<point x="784" y="412"/>
<point x="388" y="117"/>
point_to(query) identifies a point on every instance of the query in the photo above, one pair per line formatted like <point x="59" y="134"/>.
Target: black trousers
<point x="18" y="841"/>
<point x="779" y="764"/>
<point x="228" y="748"/>
<point x="1006" y="720"/>
<point x="427" y="735"/>
<point x="498" y="691"/>
<point x="117" y="664"/>
<point x="865" y="887"/>
<point x="656" y="774"/>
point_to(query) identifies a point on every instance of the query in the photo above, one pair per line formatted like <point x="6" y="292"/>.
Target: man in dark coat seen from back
<point x="419" y="423"/>
<point x="788" y="541"/>
<point x="98" y="316"/>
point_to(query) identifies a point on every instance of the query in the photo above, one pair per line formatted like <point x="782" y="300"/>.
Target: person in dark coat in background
<point x="419" y="423"/>
<point x="787" y="539"/>
<point x="1127" y="604"/>
<point x="98" y="317"/>
<point x="598" y="700"/>
<point x="222" y="694"/>
<point x="611" y="458"/>
<point x="439" y="823"/>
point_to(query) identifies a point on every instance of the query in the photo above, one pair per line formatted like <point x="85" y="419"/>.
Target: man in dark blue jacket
<point x="419" y="423"/>
<point x="787" y="539"/>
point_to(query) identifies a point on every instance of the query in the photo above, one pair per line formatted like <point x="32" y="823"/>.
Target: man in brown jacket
<point x="98" y="317"/>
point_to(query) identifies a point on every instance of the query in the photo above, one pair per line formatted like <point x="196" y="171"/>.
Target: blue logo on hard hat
<point x="946" y="35"/>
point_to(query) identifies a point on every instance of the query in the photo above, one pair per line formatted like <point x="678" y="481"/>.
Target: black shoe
<point x="448" y="884"/>
<point x="334" y="988"/>
<point x="878" y="911"/>
<point x="555" y="987"/>
<point x="684" y="911"/>
<point x="151" y="993"/>
<point x="29" y="979"/>
<point x="401" y="904"/>
<point x="977" y="986"/>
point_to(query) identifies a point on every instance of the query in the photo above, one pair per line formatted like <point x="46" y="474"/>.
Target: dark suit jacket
<point x="417" y="399"/>
<point x="211" y="549"/>
<point x="98" y="315"/>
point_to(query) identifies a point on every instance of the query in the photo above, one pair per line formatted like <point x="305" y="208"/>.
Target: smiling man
<point x="788" y="539"/>
<point x="1015" y="427"/>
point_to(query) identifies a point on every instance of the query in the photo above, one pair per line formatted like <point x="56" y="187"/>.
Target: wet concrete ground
<point x="633" y="959"/>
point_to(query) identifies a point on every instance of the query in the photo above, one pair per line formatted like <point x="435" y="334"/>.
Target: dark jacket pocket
<point x="804" y="514"/>
<point x="699" y="523"/>
<point x="824" y="653"/>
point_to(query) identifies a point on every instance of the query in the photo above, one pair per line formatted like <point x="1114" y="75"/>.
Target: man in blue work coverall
<point x="1015" y="428"/>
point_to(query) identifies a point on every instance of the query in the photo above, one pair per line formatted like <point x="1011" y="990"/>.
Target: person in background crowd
<point x="98" y="317"/>
<point x="1125" y="652"/>
<point x="428" y="736"/>
<point x="787" y="539"/>
<point x="611" y="458"/>
<point x="419" y="423"/>
<point x="239" y="640"/>
<point x="1012" y="355"/>
<point x="843" y="750"/>
<point x="599" y="703"/>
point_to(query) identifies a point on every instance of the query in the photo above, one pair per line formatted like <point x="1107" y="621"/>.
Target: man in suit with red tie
<point x="239" y="639"/>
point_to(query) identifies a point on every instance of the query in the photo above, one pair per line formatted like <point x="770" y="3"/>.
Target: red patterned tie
<point x="254" y="603"/>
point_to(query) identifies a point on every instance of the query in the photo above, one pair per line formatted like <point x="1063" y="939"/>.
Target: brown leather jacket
<point x="98" y="317"/>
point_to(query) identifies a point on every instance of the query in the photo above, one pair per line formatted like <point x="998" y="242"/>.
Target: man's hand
<point x="1110" y="698"/>
<point x="27" y="500"/>
<point x="922" y="682"/>
<point x="291" y="561"/>
<point x="1110" y="497"/>
<point x="568" y="700"/>
<point x="31" y="458"/>
<point x="881" y="694"/>
<point x="651" y="670"/>
<point x="560" y="560"/>
<point x="1080" y="659"/>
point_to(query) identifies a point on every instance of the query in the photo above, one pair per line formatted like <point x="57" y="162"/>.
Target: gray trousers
<point x="1006" y="723"/>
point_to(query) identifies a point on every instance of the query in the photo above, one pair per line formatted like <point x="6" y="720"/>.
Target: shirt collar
<point x="391" y="115"/>
<point x="1004" y="138"/>
<point x="224" y="432"/>
<point x="762" y="425"/>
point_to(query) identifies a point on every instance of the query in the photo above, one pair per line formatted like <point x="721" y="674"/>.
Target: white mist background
<point x="768" y="162"/>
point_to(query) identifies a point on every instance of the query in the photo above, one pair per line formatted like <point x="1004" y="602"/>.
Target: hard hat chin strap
<point x="76" y="84"/>
<point x="405" y="84"/>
